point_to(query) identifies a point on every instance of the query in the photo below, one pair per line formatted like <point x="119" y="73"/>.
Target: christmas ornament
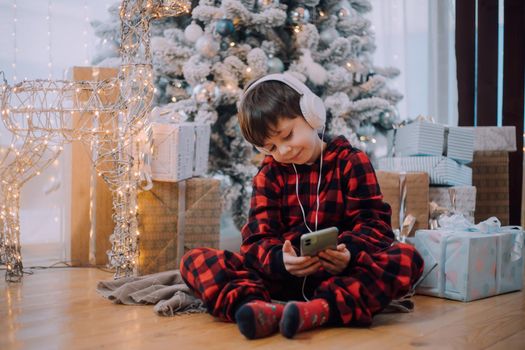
<point x="207" y="46"/>
<point x="343" y="13"/>
<point x="275" y="65"/>
<point x="224" y="27"/>
<point x="328" y="35"/>
<point x="228" y="42"/>
<point x="388" y="118"/>
<point x="207" y="92"/>
<point x="193" y="32"/>
<point x="224" y="45"/>
<point x="299" y="15"/>
<point x="343" y="9"/>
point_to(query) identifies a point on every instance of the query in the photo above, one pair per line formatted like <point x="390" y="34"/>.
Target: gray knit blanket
<point x="172" y="296"/>
<point x="166" y="290"/>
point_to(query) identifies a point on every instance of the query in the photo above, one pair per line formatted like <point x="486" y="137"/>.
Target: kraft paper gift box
<point x="461" y="199"/>
<point x="490" y="170"/>
<point x="416" y="202"/>
<point x="441" y="170"/>
<point x="465" y="265"/>
<point x="490" y="175"/>
<point x="423" y="138"/>
<point x="91" y="201"/>
<point x="174" y="217"/>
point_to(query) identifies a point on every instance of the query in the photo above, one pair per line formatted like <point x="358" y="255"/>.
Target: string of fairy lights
<point x="38" y="114"/>
<point x="85" y="32"/>
<point x="15" y="45"/>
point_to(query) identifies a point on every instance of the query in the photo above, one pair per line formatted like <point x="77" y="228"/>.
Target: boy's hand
<point x="299" y="266"/>
<point x="335" y="261"/>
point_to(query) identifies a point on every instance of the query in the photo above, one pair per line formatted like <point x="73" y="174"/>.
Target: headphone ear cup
<point x="313" y="110"/>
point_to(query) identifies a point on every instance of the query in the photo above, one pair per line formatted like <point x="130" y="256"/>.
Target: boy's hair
<point x="263" y="106"/>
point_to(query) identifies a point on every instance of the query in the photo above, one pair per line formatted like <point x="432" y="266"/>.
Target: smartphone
<point x="315" y="242"/>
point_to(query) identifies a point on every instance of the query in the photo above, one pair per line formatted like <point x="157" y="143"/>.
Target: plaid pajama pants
<point x="221" y="280"/>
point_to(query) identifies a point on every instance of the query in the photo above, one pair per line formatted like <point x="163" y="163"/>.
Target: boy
<point x="303" y="185"/>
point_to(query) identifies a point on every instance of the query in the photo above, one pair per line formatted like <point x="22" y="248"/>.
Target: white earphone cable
<point x="317" y="201"/>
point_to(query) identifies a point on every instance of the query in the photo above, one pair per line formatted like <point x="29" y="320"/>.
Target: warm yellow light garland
<point x="39" y="114"/>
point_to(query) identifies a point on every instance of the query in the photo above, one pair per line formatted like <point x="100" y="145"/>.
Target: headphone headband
<point x="312" y="106"/>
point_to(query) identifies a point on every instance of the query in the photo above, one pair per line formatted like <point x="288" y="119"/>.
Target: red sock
<point x="301" y="316"/>
<point x="257" y="319"/>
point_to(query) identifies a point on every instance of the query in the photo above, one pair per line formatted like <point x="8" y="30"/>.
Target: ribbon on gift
<point x="395" y="127"/>
<point x="435" y="212"/>
<point x="406" y="222"/>
<point x="181" y="216"/>
<point x="168" y="114"/>
<point x="492" y="225"/>
<point x="143" y="152"/>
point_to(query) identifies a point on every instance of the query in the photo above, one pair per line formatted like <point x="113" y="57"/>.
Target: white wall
<point x="417" y="36"/>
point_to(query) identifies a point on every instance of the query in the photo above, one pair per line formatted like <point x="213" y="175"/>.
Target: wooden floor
<point x="60" y="309"/>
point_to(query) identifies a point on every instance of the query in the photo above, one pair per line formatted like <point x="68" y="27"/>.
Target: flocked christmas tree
<point x="203" y="61"/>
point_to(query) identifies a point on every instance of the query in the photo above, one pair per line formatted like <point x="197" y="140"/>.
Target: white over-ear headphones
<point x="312" y="106"/>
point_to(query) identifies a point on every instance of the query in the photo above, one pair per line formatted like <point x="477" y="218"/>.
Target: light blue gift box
<point x="466" y="266"/>
<point x="441" y="170"/>
<point x="424" y="138"/>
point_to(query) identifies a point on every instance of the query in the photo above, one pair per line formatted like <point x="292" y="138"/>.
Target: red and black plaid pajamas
<point x="350" y="199"/>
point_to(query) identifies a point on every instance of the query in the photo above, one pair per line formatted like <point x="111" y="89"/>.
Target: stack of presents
<point x="182" y="210"/>
<point x="449" y="192"/>
<point x="178" y="211"/>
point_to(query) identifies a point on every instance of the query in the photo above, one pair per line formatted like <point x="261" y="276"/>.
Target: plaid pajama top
<point x="349" y="197"/>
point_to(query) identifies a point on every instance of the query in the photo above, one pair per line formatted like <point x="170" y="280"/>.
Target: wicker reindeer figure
<point x="47" y="113"/>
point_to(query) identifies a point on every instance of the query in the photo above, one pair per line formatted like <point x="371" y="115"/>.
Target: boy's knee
<point x="192" y="257"/>
<point x="411" y="253"/>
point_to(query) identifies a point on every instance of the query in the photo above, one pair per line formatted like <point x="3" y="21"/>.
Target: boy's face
<point x="295" y="142"/>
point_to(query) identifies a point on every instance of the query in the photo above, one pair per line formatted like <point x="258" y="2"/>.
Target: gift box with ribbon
<point x="456" y="199"/>
<point x="407" y="194"/>
<point x="173" y="151"/>
<point x="426" y="138"/>
<point x="442" y="170"/>
<point x="180" y="148"/>
<point x="467" y="262"/>
<point x="175" y="217"/>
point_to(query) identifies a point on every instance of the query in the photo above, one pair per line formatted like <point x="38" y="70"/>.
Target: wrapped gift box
<point x="91" y="201"/>
<point x="416" y="196"/>
<point x="461" y="199"/>
<point x="180" y="150"/>
<point x="173" y="151"/>
<point x="424" y="138"/>
<point x="466" y="266"/>
<point x="419" y="138"/>
<point x="490" y="175"/>
<point x="493" y="138"/>
<point x="202" y="149"/>
<point x="459" y="144"/>
<point x="176" y="217"/>
<point x="441" y="170"/>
